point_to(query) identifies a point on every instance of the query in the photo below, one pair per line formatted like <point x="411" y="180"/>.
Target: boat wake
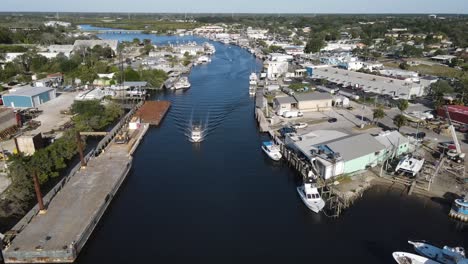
<point x="196" y="132"/>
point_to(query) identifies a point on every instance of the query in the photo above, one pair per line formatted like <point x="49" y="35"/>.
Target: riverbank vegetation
<point x="50" y="162"/>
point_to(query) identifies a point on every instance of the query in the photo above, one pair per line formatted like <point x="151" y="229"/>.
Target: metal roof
<point x="354" y="147"/>
<point x="29" y="91"/>
<point x="312" y="96"/>
<point x="285" y="100"/>
<point x="391" y="139"/>
<point x="135" y="84"/>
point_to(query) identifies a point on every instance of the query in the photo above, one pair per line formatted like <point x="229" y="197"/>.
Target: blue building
<point x="29" y="96"/>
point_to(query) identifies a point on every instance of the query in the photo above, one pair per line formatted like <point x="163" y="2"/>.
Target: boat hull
<point x="315" y="206"/>
<point x="408" y="258"/>
<point x="276" y="157"/>
<point x="435" y="253"/>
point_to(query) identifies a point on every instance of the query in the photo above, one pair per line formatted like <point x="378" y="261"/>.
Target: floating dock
<point x="58" y="235"/>
<point x="152" y="112"/>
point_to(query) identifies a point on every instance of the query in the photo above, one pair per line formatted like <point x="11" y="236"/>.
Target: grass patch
<point x="438" y="70"/>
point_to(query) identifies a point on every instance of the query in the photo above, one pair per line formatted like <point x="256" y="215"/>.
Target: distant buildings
<point x="113" y="44"/>
<point x="57" y="24"/>
<point x="209" y="29"/>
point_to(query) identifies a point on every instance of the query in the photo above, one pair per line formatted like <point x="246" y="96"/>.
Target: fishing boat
<point x="445" y="255"/>
<point x="252" y="90"/>
<point x="410" y="165"/>
<point x="311" y="196"/>
<point x="196" y="134"/>
<point x="408" y="258"/>
<point x="459" y="209"/>
<point x="271" y="150"/>
<point x="182" y="83"/>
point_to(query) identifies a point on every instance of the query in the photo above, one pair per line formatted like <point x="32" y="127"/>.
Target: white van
<point x="290" y="114"/>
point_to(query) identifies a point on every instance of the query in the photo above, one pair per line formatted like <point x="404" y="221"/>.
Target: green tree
<point x="315" y="44"/>
<point x="399" y="121"/>
<point x="378" y="114"/>
<point x="403" y="105"/>
<point x="404" y="66"/>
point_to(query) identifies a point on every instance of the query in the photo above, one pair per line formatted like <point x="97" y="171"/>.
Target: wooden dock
<point x="153" y="112"/>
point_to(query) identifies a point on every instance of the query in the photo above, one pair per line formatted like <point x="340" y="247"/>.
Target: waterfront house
<point x="395" y="143"/>
<point x="82" y="43"/>
<point x="314" y="101"/>
<point x="333" y="153"/>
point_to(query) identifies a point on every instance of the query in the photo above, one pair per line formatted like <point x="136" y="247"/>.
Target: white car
<point x="290" y="114"/>
<point x="300" y="125"/>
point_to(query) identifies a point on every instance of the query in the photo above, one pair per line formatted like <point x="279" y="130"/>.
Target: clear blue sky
<point x="240" y="6"/>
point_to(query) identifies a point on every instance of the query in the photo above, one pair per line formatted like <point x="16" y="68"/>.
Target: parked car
<point x="285" y="130"/>
<point x="290" y="114"/>
<point x="332" y="120"/>
<point x="350" y="108"/>
<point x="299" y="125"/>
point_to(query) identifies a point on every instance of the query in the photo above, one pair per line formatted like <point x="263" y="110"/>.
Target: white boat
<point x="196" y="134"/>
<point x="271" y="150"/>
<point x="252" y="89"/>
<point x="408" y="258"/>
<point x="410" y="165"/>
<point x="203" y="59"/>
<point x="253" y="77"/>
<point x="311" y="196"/>
<point x="182" y="83"/>
<point x="445" y="255"/>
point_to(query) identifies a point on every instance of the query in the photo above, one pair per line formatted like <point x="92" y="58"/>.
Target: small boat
<point x="253" y="77"/>
<point x="196" y="135"/>
<point x="271" y="150"/>
<point x="311" y="196"/>
<point x="459" y="209"/>
<point x="408" y="258"/>
<point x="445" y="255"/>
<point x="203" y="59"/>
<point x="252" y="90"/>
<point x="182" y="83"/>
<point x="410" y="165"/>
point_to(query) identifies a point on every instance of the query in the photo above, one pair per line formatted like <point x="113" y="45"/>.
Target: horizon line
<point x="239" y="13"/>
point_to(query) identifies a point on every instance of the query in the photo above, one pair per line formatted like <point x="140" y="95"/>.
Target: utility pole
<point x="37" y="188"/>
<point x="80" y="149"/>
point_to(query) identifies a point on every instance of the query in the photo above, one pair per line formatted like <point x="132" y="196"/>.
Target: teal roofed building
<point x="29" y="96"/>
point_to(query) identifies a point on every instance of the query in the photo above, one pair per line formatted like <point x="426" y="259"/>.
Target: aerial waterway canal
<point x="223" y="201"/>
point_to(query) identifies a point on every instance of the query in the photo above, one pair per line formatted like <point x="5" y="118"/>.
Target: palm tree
<point x="399" y="121"/>
<point x="378" y="114"/>
<point x="403" y="105"/>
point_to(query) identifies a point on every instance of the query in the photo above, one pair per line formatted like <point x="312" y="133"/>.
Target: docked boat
<point x="410" y="165"/>
<point x="252" y="90"/>
<point x="253" y="77"/>
<point x="203" y="59"/>
<point x="182" y="83"/>
<point x="445" y="255"/>
<point x="196" y="134"/>
<point x="459" y="209"/>
<point x="311" y="196"/>
<point x="408" y="258"/>
<point x="271" y="150"/>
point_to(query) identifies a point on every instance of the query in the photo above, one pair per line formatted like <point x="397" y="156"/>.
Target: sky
<point x="239" y="6"/>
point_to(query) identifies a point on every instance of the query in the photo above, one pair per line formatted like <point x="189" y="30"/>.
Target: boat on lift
<point x="445" y="255"/>
<point x="182" y="83"/>
<point x="408" y="258"/>
<point x="311" y="196"/>
<point x="410" y="165"/>
<point x="272" y="150"/>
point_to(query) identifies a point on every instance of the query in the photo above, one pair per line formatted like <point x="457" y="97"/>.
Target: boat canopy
<point x="268" y="143"/>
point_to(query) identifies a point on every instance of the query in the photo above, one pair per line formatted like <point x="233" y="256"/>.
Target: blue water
<point x="224" y="201"/>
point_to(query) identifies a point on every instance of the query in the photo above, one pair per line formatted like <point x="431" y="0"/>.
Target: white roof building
<point x="65" y="49"/>
<point x="113" y="44"/>
<point x="57" y="24"/>
<point x="369" y="83"/>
